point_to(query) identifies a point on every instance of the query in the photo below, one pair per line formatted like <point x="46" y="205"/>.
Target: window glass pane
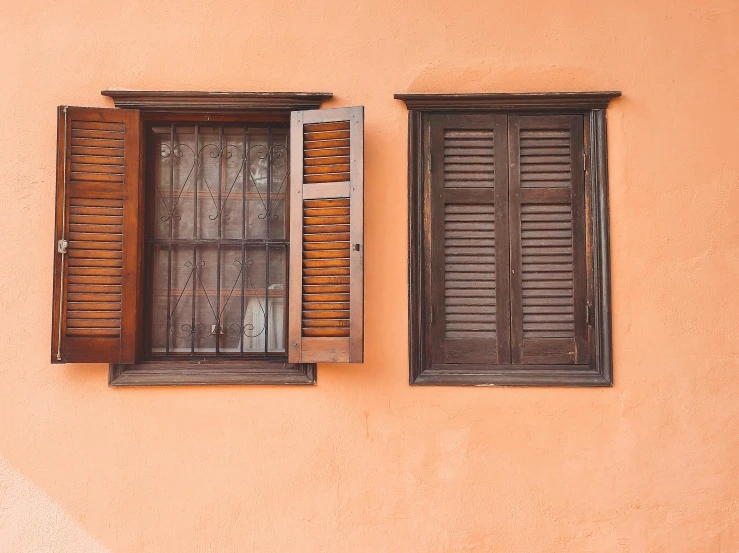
<point x="277" y="294"/>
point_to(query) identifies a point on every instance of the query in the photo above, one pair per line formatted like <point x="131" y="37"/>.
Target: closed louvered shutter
<point x="326" y="313"/>
<point x="469" y="241"/>
<point x="547" y="214"/>
<point x="96" y="267"/>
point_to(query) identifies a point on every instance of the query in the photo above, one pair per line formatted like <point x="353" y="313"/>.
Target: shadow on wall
<point x="30" y="521"/>
<point x="478" y="75"/>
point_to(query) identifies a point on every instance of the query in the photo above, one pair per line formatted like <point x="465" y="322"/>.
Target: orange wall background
<point x="362" y="461"/>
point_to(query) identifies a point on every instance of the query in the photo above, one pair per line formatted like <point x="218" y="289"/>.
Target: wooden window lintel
<point x="178" y="101"/>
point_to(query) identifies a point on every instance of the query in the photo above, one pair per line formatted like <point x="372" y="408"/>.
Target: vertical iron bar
<point x="194" y="235"/>
<point x="285" y="304"/>
<point x="245" y="183"/>
<point x="266" y="303"/>
<point x="219" y="219"/>
<point x="269" y="181"/>
<point x="171" y="236"/>
<point x="244" y="169"/>
<point x="286" y="249"/>
<point x="266" y="253"/>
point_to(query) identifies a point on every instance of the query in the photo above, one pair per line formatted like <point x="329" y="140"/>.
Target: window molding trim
<point x="601" y="245"/>
<point x="592" y="105"/>
<point x="504" y="101"/>
<point x="203" y="372"/>
<point x="181" y="100"/>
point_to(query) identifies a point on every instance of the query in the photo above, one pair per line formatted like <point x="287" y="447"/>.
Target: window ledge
<point x="234" y="372"/>
<point x="496" y="376"/>
<point x="149" y="100"/>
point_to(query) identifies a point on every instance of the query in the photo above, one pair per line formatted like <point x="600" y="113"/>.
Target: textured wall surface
<point x="362" y="461"/>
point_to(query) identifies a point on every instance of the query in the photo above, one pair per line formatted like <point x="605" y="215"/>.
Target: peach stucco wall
<point x="362" y="461"/>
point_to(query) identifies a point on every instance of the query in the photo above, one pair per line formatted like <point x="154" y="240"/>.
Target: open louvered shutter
<point x="96" y="260"/>
<point x="326" y="314"/>
<point x="548" y="247"/>
<point x="469" y="241"/>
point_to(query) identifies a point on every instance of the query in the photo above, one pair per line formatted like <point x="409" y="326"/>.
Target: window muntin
<point x="216" y="240"/>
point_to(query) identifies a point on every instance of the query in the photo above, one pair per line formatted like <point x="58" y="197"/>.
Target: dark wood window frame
<point x="211" y="107"/>
<point x="592" y="107"/>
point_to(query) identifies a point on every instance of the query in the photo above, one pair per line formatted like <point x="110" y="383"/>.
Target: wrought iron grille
<point x="217" y="239"/>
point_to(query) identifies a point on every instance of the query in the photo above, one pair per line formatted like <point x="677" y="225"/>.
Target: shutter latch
<point x="61" y="246"/>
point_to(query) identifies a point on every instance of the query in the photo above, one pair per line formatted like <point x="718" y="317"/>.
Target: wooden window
<point x="509" y="280"/>
<point x="186" y="227"/>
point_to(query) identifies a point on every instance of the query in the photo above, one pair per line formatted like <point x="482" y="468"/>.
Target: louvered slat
<point x="326" y="152"/>
<point x="95" y="273"/>
<point x="466" y="187"/>
<point x="548" y="279"/>
<point x="468" y="158"/>
<point x="326" y="268"/>
<point x="97" y="152"/>
<point x="469" y="271"/>
<point x="546" y="237"/>
<point x="545" y="158"/>
<point x="547" y="273"/>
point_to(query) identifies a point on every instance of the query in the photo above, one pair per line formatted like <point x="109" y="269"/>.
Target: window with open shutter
<point x="96" y="268"/>
<point x="326" y="233"/>
<point x="509" y="244"/>
<point x="196" y="231"/>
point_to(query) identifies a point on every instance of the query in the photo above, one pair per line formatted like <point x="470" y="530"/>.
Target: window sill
<point x="178" y="373"/>
<point x="553" y="375"/>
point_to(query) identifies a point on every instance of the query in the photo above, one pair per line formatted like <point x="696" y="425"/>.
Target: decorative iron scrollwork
<point x="201" y="329"/>
<point x="213" y="151"/>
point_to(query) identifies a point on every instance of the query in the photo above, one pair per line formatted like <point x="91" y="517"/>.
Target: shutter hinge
<point x="431" y="163"/>
<point x="432" y="314"/>
<point x="583" y="161"/>
<point x="590" y="315"/>
<point x="61" y="246"/>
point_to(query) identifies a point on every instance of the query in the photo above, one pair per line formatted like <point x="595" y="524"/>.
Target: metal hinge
<point x="590" y="315"/>
<point x="61" y="246"/>
<point x="431" y="163"/>
<point x="583" y="161"/>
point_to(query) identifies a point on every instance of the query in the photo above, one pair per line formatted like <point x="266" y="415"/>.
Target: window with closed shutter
<point x="469" y="229"/>
<point x="509" y="248"/>
<point x="547" y="240"/>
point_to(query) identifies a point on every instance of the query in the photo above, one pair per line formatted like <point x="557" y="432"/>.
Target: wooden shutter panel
<point x="548" y="248"/>
<point x="327" y="236"/>
<point x="97" y="250"/>
<point x="469" y="239"/>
